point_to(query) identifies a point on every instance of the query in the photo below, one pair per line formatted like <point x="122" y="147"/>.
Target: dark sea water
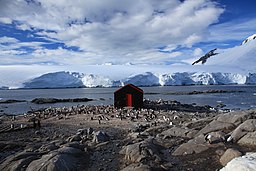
<point x="104" y="96"/>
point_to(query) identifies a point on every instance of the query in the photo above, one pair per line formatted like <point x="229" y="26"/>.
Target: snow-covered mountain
<point x="242" y="57"/>
<point x="252" y="37"/>
<point x="235" y="65"/>
<point x="55" y="80"/>
<point x="68" y="79"/>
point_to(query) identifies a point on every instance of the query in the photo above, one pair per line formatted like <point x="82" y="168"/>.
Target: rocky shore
<point x="165" y="135"/>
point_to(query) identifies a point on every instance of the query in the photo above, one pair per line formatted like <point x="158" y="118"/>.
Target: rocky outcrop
<point x="229" y="155"/>
<point x="193" y="146"/>
<point x="66" y="158"/>
<point x="243" y="129"/>
<point x="19" y="161"/>
<point x="226" y="122"/>
<point x="54" y="100"/>
<point x="216" y="125"/>
<point x="235" y="118"/>
<point x="137" y="168"/>
<point x="141" y="150"/>
<point x="248" y="140"/>
<point x="100" y="136"/>
<point x="179" y="132"/>
<point x="48" y="157"/>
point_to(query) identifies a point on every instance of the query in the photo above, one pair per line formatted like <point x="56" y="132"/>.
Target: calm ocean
<point x="104" y="96"/>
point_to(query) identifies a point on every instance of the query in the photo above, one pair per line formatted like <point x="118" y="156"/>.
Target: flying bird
<point x="206" y="56"/>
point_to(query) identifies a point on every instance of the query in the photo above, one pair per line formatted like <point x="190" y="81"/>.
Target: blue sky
<point x="166" y="32"/>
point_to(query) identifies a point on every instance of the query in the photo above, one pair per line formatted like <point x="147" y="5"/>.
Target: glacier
<point x="73" y="79"/>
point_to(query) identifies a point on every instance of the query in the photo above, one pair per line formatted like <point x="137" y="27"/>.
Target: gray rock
<point x="48" y="147"/>
<point x="229" y="155"/>
<point x="100" y="136"/>
<point x="235" y="118"/>
<point x="190" y="148"/>
<point x="64" y="159"/>
<point x="76" y="145"/>
<point x="179" y="132"/>
<point x="216" y="126"/>
<point x="244" y="128"/>
<point x="198" y="124"/>
<point x="19" y="161"/>
<point x="248" y="140"/>
<point x="139" y="151"/>
<point x="81" y="131"/>
<point x="70" y="151"/>
<point x="194" y="146"/>
<point x="137" y="168"/>
<point x="75" y="138"/>
<point x="132" y="153"/>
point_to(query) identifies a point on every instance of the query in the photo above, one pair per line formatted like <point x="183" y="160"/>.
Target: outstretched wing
<point x="205" y="57"/>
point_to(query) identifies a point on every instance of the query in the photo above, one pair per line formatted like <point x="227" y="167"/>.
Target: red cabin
<point x="128" y="96"/>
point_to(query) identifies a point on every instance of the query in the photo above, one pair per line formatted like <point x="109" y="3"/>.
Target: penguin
<point x="208" y="138"/>
<point x="230" y="139"/>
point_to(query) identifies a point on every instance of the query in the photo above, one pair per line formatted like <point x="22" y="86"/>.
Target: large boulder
<point x="229" y="155"/>
<point x="18" y="161"/>
<point x="244" y="163"/>
<point x="248" y="140"/>
<point x="235" y="118"/>
<point x="194" y="146"/>
<point x="198" y="124"/>
<point x="76" y="137"/>
<point x="216" y="126"/>
<point x="65" y="159"/>
<point x="179" y="132"/>
<point x="100" y="136"/>
<point x="48" y="147"/>
<point x="141" y="150"/>
<point x="244" y="128"/>
<point x="137" y="168"/>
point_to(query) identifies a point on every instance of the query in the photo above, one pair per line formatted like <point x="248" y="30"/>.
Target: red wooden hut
<point x="128" y="96"/>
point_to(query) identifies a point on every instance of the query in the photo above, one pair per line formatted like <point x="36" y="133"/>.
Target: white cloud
<point x="5" y="20"/>
<point x="234" y="30"/>
<point x="198" y="52"/>
<point x="6" y="39"/>
<point x="23" y="27"/>
<point x="113" y="30"/>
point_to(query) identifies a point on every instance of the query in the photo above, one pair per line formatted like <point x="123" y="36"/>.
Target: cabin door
<point x="128" y="100"/>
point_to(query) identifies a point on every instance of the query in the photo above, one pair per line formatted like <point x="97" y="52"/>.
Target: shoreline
<point x="105" y="138"/>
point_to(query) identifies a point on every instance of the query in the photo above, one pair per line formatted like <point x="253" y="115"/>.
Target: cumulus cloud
<point x="113" y="30"/>
<point x="198" y="52"/>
